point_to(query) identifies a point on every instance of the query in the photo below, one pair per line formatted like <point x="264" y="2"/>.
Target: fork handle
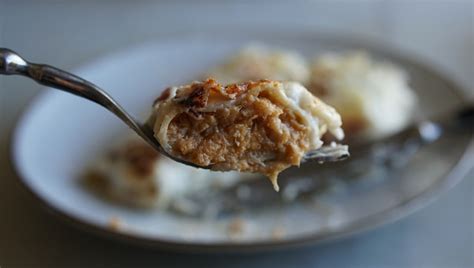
<point x="11" y="63"/>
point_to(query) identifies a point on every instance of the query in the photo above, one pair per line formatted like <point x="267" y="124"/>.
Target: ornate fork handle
<point x="13" y="64"/>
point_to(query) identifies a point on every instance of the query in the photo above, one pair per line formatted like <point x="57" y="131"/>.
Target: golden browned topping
<point x="250" y="127"/>
<point x="198" y="94"/>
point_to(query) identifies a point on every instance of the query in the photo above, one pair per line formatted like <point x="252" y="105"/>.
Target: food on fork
<point x="373" y="97"/>
<point x="259" y="127"/>
<point x="256" y="62"/>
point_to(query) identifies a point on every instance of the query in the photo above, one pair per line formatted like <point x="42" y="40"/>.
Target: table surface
<point x="74" y="32"/>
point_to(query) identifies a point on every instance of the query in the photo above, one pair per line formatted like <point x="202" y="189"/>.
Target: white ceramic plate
<point x="60" y="134"/>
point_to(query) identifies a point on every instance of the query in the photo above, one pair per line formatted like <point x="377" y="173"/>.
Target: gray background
<point x="69" y="33"/>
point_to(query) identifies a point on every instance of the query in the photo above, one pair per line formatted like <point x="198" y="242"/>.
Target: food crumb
<point x="236" y="228"/>
<point x="115" y="224"/>
<point x="278" y="232"/>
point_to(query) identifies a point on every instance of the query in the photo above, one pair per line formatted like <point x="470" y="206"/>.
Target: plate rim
<point x="453" y="176"/>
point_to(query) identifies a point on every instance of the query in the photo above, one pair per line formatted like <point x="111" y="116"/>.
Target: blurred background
<point x="70" y="33"/>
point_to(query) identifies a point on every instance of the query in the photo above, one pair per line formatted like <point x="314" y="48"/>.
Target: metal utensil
<point x="13" y="64"/>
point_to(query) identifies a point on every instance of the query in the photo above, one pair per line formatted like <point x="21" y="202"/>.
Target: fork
<point x="11" y="63"/>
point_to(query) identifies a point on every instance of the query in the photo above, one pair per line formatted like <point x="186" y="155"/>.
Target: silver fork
<point x="13" y="64"/>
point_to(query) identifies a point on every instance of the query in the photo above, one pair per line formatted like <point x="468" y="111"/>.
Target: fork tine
<point x="329" y="153"/>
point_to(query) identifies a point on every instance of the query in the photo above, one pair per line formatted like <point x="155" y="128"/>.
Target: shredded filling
<point x="262" y="127"/>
